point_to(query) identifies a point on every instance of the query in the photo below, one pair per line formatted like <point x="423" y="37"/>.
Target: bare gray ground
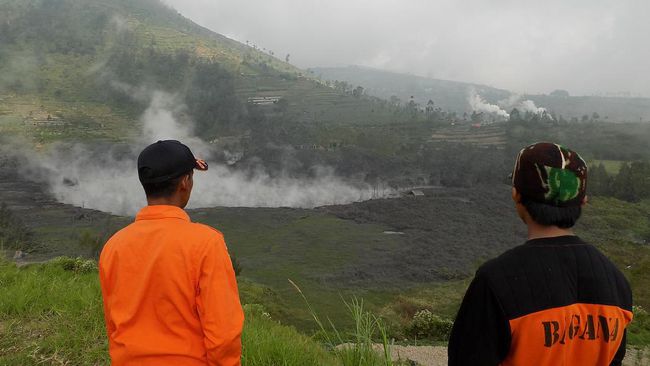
<point x="437" y="355"/>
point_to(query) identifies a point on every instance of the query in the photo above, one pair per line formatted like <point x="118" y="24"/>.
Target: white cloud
<point x="583" y="46"/>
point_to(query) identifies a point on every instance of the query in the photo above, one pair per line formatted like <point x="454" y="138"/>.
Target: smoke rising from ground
<point x="523" y="105"/>
<point x="105" y="178"/>
<point x="478" y="104"/>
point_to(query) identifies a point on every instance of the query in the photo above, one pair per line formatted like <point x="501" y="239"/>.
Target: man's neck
<point x="536" y="231"/>
<point x="167" y="201"/>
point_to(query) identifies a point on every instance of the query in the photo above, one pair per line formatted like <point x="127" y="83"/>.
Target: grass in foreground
<point x="358" y="347"/>
<point x="52" y="314"/>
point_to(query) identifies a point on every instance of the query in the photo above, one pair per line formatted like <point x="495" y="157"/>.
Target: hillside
<point x="453" y="96"/>
<point x="86" y="70"/>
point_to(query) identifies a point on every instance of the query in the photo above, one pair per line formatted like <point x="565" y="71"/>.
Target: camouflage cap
<point x="551" y="174"/>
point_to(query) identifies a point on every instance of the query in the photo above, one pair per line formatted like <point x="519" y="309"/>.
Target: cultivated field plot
<point x="478" y="135"/>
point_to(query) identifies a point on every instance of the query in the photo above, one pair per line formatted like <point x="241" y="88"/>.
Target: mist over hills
<point x="454" y="95"/>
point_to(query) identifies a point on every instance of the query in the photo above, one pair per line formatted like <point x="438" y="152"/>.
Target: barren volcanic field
<point x="441" y="235"/>
<point x="375" y="249"/>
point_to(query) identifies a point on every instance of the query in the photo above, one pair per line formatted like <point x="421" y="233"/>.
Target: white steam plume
<point x="478" y="104"/>
<point x="523" y="105"/>
<point x="107" y="180"/>
<point x="159" y="123"/>
<point x="529" y="106"/>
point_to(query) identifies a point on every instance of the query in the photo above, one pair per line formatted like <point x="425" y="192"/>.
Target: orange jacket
<point x="170" y="294"/>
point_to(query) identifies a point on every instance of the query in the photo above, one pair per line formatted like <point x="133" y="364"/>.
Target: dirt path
<point x="423" y="355"/>
<point x="437" y="355"/>
<point x="637" y="357"/>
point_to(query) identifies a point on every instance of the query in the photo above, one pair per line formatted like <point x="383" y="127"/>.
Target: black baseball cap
<point x="165" y="160"/>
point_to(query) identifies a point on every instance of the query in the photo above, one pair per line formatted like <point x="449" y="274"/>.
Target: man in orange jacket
<point x="169" y="289"/>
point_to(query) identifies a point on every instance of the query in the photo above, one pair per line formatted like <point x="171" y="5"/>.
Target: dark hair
<point x="162" y="189"/>
<point x="547" y="215"/>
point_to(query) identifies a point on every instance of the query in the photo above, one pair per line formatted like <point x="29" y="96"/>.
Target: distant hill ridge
<point x="453" y="95"/>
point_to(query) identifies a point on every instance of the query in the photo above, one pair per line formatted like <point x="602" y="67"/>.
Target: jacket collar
<point x="158" y="212"/>
<point x="557" y="240"/>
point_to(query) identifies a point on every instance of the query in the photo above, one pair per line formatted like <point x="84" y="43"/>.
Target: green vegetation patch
<point x="622" y="231"/>
<point x="52" y="314"/>
<point x="266" y="342"/>
<point x="612" y="167"/>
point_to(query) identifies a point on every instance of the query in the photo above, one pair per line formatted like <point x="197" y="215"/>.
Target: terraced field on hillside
<point x="45" y="119"/>
<point x="478" y="135"/>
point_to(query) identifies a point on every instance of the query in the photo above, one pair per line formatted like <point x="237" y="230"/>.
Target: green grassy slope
<point x="150" y="21"/>
<point x="622" y="231"/>
<point x="53" y="315"/>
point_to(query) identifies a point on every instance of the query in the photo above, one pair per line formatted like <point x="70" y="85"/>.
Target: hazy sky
<point x="584" y="46"/>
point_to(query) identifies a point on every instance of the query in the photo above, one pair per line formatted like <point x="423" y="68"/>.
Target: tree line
<point x="631" y="183"/>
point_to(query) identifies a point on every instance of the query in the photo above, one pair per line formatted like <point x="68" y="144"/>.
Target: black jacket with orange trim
<point x="552" y="301"/>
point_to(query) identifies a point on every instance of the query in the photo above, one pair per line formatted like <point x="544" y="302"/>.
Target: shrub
<point x="427" y="325"/>
<point x="639" y="330"/>
<point x="77" y="265"/>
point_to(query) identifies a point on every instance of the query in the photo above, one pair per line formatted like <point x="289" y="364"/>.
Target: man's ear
<point x="185" y="183"/>
<point x="585" y="200"/>
<point x="516" y="196"/>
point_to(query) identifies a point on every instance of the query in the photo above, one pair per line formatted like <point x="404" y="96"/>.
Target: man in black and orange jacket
<point x="555" y="300"/>
<point x="168" y="285"/>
